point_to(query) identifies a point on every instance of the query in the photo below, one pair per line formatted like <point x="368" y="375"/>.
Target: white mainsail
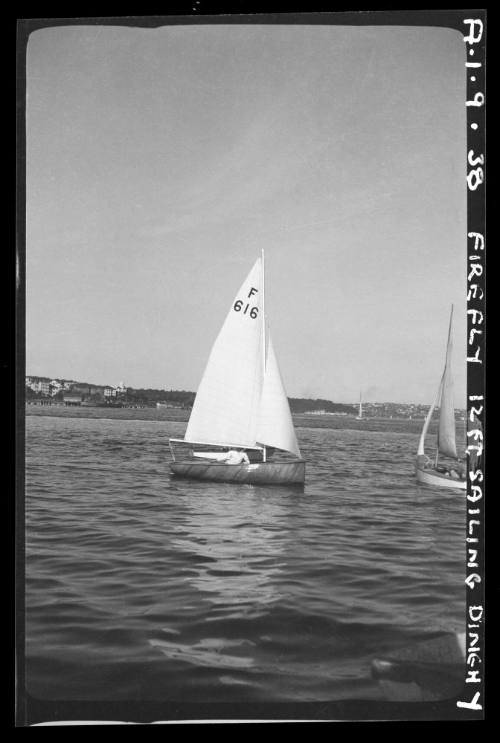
<point x="275" y="426"/>
<point x="444" y="398"/>
<point x="421" y="443"/>
<point x="446" y="431"/>
<point x="226" y="406"/>
<point x="241" y="399"/>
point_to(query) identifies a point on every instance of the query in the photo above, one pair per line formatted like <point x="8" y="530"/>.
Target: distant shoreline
<point x="180" y="415"/>
<point x="122" y="406"/>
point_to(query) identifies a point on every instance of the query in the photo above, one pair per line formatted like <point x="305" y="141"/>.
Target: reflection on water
<point x="229" y="530"/>
<point x="143" y="587"/>
<point x="233" y="538"/>
<point x="207" y="652"/>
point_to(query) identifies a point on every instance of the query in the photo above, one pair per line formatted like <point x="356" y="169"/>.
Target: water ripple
<point x="143" y="587"/>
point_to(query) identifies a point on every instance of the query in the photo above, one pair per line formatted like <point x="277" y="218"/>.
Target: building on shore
<point x="55" y="387"/>
<point x="72" y="398"/>
<point x="119" y="391"/>
<point x="43" y="387"/>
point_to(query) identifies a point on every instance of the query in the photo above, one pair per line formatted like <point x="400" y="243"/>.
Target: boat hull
<point x="261" y="473"/>
<point x="438" y="479"/>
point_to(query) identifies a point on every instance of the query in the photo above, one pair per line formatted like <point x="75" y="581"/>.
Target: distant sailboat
<point x="360" y="414"/>
<point x="241" y="404"/>
<point x="430" y="472"/>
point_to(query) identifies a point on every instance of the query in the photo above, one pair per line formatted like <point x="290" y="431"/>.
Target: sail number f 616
<point x="238" y="305"/>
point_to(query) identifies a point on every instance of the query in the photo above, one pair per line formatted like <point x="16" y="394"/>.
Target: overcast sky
<point x="161" y="161"/>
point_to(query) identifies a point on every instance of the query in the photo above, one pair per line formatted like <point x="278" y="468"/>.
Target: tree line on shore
<point x="180" y="398"/>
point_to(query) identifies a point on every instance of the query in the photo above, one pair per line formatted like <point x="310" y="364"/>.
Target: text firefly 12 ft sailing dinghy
<point x="241" y="404"/>
<point x="430" y="472"/>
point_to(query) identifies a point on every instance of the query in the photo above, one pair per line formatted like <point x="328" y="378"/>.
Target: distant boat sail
<point x="241" y="403"/>
<point x="360" y="414"/>
<point x="428" y="472"/>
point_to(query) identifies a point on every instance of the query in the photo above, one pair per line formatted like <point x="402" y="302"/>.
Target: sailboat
<point x="360" y="414"/>
<point x="241" y="404"/>
<point x="431" y="472"/>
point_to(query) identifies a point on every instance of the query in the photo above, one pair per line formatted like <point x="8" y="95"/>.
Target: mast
<point x="437" y="440"/>
<point x="449" y="336"/>
<point x="442" y="382"/>
<point x="263" y="329"/>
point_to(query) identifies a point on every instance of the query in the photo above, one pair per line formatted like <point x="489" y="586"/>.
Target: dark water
<point x="149" y="588"/>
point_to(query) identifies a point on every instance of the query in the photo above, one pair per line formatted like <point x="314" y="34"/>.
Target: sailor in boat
<point x="424" y="462"/>
<point x="455" y="471"/>
<point x="236" y="456"/>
